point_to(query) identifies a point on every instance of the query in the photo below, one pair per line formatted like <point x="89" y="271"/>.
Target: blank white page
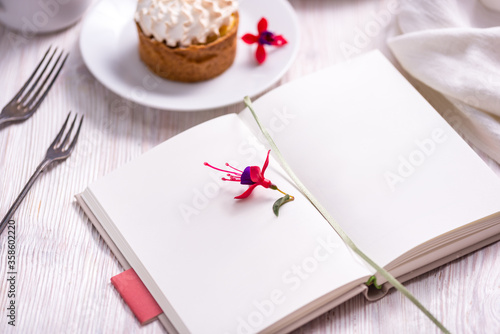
<point x="382" y="161"/>
<point x="213" y="263"/>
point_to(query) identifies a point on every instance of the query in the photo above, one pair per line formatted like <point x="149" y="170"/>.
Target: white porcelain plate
<point x="108" y="43"/>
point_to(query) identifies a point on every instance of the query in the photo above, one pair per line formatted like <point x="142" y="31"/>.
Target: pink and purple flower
<point x="253" y="176"/>
<point x="264" y="37"/>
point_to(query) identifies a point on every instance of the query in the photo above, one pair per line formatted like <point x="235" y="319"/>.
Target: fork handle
<point x="23" y="194"/>
<point x="3" y="119"/>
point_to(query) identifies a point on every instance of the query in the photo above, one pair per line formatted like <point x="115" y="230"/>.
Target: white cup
<point x="32" y="17"/>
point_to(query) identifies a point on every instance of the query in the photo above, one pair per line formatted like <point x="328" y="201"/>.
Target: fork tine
<point x="41" y="87"/>
<point x="68" y="134"/>
<point x="59" y="135"/>
<point x="33" y="86"/>
<point x="20" y="92"/>
<point x="73" y="143"/>
<point x="42" y="97"/>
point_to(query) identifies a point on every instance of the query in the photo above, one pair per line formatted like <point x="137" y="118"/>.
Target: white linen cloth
<point x="453" y="46"/>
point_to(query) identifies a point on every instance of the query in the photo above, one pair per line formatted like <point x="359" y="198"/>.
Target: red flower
<point x="251" y="175"/>
<point x="265" y="37"/>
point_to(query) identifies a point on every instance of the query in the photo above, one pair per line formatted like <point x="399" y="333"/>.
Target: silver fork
<point x="59" y="150"/>
<point x="27" y="100"/>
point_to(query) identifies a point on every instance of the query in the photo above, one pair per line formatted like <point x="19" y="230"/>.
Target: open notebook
<point x="403" y="185"/>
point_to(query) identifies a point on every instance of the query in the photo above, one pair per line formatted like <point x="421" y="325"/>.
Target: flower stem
<point x="284" y="193"/>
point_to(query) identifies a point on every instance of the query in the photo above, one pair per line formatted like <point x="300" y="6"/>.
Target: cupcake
<point x="187" y="40"/>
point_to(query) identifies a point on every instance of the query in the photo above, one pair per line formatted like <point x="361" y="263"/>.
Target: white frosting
<point x="183" y="22"/>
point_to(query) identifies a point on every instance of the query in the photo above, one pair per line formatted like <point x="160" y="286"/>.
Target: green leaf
<point x="277" y="205"/>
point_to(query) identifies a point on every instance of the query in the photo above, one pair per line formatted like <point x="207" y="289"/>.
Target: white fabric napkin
<point x="453" y="46"/>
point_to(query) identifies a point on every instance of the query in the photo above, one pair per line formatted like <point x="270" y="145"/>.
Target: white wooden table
<point x="64" y="267"/>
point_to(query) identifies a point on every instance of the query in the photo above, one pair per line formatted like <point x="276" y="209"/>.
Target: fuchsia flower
<point x="265" y="37"/>
<point x="251" y="175"/>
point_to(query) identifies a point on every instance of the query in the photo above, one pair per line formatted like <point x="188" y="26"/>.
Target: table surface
<point x="64" y="266"/>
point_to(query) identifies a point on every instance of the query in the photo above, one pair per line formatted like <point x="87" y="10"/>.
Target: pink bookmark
<point x="136" y="295"/>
